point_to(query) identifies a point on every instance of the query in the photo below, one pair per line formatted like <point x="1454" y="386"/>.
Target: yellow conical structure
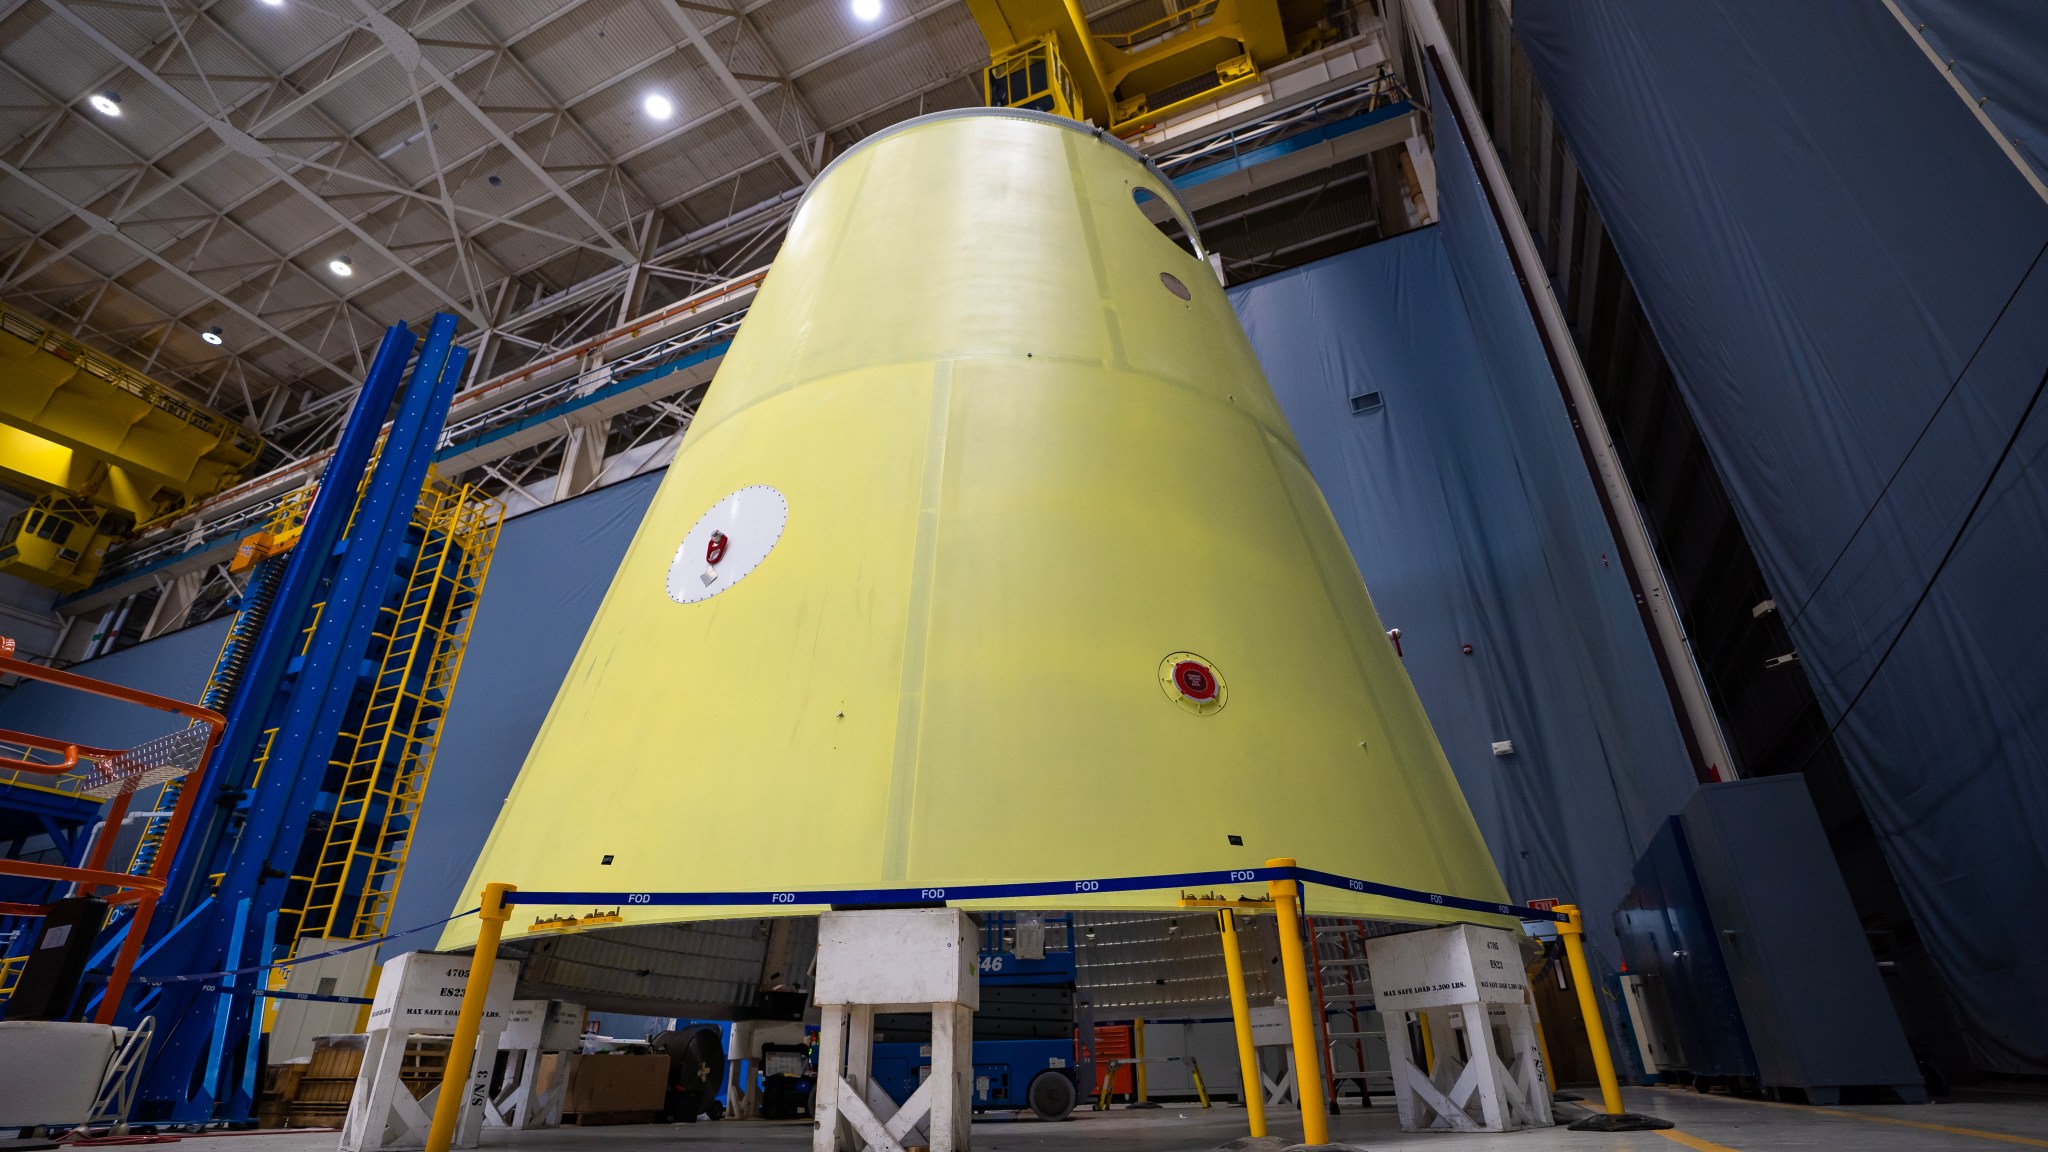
<point x="988" y="558"/>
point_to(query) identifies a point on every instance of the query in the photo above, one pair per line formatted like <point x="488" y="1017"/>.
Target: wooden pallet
<point x="316" y="1094"/>
<point x="316" y="1115"/>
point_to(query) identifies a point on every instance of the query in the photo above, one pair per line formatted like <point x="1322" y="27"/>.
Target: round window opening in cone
<point x="954" y="397"/>
<point x="1192" y="682"/>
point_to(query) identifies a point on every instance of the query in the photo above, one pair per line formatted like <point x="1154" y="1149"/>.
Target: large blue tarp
<point x="549" y="574"/>
<point x="1468" y="507"/>
<point x="1844" y="271"/>
<point x="1996" y="48"/>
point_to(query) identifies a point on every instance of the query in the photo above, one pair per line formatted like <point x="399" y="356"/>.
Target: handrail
<point x="1159" y="28"/>
<point x="144" y="890"/>
<point x="239" y="522"/>
<point x="1192" y="154"/>
<point x="40" y="744"/>
<point x="313" y="463"/>
<point x="630" y="329"/>
<point x="11" y="666"/>
<point x="90" y="876"/>
<point x="51" y="744"/>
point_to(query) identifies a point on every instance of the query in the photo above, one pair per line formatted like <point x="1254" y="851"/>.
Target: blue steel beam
<point x="199" y="935"/>
<point x="325" y="523"/>
<point x="295" y="773"/>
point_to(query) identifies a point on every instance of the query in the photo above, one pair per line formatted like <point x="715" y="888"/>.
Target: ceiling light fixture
<point x="107" y="103"/>
<point x="408" y="142"/>
<point x="212" y="335"/>
<point x="342" y="266"/>
<point x="658" y="106"/>
<point x="867" y="11"/>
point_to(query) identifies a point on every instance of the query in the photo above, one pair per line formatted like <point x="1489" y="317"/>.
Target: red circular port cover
<point x="1195" y="681"/>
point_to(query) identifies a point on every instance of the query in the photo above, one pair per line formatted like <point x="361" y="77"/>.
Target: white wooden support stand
<point x="420" y="993"/>
<point x="535" y="1028"/>
<point x="1469" y="974"/>
<point x="897" y="960"/>
<point x="1272" y="1032"/>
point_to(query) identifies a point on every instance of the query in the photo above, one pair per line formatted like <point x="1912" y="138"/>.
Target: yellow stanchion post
<point x="1428" y="1045"/>
<point x="1308" y="1063"/>
<point x="1617" y="1118"/>
<point x="1138" y="1053"/>
<point x="469" y="1020"/>
<point x="1254" y="1092"/>
<point x="1574" y="933"/>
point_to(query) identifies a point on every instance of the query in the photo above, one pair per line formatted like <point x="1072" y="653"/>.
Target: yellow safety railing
<point x="1032" y="77"/>
<point x="10" y="974"/>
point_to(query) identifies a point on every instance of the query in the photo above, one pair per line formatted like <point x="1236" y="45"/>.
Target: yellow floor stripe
<point x="1979" y="1133"/>
<point x="1692" y="1142"/>
<point x="1828" y="1114"/>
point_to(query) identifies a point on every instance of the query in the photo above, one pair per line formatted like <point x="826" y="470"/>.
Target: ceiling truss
<point x="147" y="255"/>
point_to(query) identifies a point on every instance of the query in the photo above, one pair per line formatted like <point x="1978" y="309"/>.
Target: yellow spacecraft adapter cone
<point x="989" y="558"/>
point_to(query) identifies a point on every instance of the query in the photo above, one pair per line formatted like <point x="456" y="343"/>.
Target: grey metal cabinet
<point x="1812" y="1000"/>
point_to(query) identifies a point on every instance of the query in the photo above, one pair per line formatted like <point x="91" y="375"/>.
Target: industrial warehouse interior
<point x="947" y="575"/>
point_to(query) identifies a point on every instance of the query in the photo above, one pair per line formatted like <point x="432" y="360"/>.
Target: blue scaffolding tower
<point x="287" y="679"/>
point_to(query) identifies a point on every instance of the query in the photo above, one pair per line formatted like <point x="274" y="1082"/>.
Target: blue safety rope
<point x="354" y="946"/>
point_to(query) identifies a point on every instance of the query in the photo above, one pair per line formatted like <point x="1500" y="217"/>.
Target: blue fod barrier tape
<point x="935" y="897"/>
<point x="940" y="896"/>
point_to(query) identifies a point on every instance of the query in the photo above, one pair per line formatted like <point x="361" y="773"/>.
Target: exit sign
<point x="1546" y="904"/>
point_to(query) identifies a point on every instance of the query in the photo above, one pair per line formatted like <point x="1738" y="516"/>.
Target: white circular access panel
<point x="727" y="542"/>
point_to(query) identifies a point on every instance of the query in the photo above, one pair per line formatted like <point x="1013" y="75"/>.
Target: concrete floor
<point x="1979" y="1122"/>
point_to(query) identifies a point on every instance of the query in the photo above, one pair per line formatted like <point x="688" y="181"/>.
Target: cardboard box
<point x="617" y="1084"/>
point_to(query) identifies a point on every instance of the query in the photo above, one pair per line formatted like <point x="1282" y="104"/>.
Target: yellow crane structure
<point x="100" y="447"/>
<point x="1043" y="55"/>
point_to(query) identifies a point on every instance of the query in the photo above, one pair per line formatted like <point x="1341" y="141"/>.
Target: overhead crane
<point x="101" y="448"/>
<point x="1044" y="55"/>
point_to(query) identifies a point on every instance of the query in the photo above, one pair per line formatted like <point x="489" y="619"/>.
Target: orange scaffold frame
<point x="142" y="891"/>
